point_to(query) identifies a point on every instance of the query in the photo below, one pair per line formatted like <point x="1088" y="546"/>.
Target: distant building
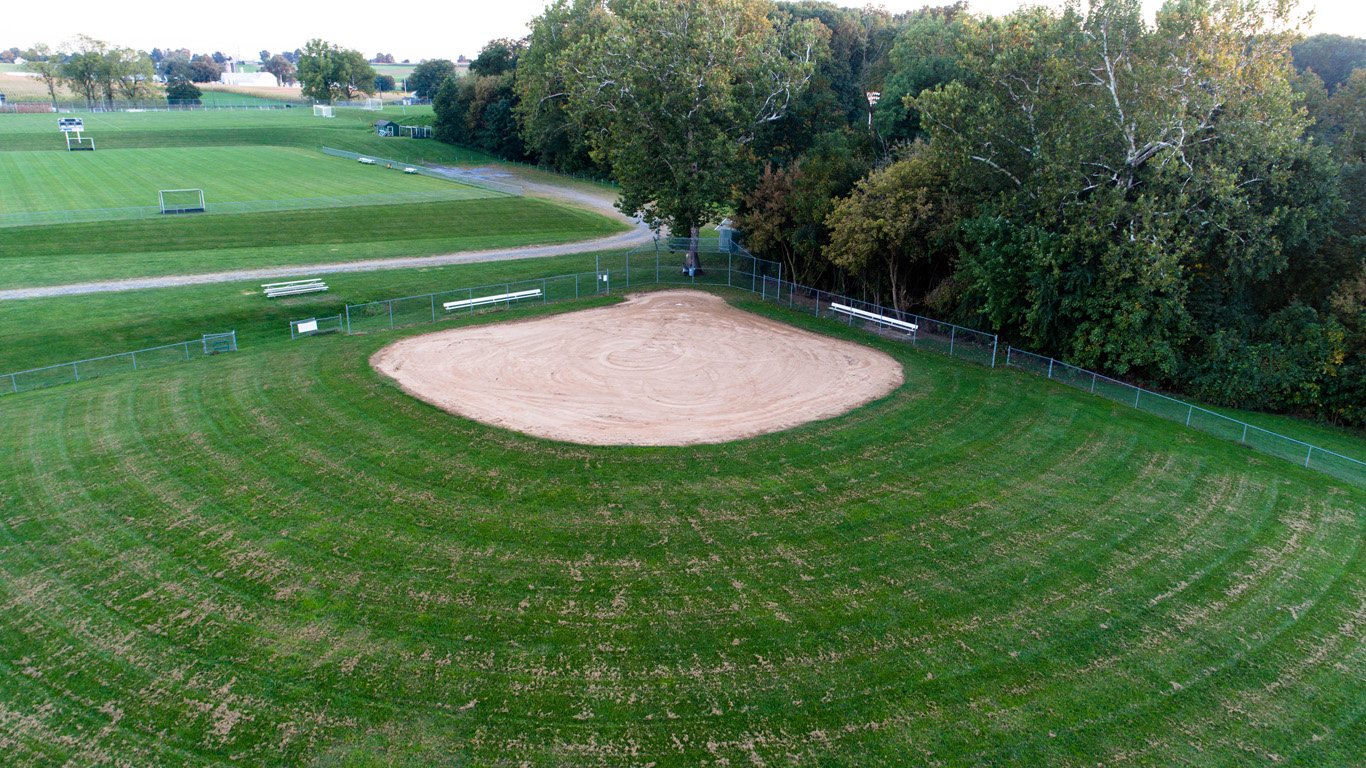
<point x="462" y="66"/>
<point x="258" y="79"/>
<point x="387" y="128"/>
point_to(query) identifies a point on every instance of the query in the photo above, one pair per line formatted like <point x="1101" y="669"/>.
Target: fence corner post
<point x="994" y="341"/>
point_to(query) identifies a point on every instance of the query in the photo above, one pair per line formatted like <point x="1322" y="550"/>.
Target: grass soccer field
<point x="278" y="558"/>
<point x="119" y="178"/>
<point x="290" y="204"/>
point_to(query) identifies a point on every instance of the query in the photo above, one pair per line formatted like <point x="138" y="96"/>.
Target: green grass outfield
<point x="278" y="558"/>
<point x="117" y="178"/>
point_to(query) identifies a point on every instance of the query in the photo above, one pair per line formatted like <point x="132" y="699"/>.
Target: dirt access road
<point x="535" y="184"/>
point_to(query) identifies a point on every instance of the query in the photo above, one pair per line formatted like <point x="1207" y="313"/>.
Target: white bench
<point x="293" y="288"/>
<point x="891" y="322"/>
<point x="480" y="301"/>
<point x="410" y="169"/>
<point x="365" y="161"/>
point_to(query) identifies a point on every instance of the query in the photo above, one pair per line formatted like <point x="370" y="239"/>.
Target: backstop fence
<point x="124" y="362"/>
<point x="721" y="264"/>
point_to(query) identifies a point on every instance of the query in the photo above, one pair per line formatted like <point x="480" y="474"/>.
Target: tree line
<point x="1176" y="200"/>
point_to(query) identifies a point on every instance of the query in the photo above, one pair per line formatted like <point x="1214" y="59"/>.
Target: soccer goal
<point x="182" y="201"/>
<point x="374" y="105"/>
<point x="323" y="110"/>
<point x="75" y="142"/>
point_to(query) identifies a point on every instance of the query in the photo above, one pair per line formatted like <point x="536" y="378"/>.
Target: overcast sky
<point x="411" y="30"/>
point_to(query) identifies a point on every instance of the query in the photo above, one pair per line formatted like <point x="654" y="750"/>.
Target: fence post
<point x="576" y="283"/>
<point x="1243" y="439"/>
<point x="391" y="314"/>
<point x="433" y="297"/>
<point x="348" y="319"/>
<point x="76" y="371"/>
<point x="14" y="383"/>
<point x="1050" y="367"/>
<point x="1093" y="382"/>
<point x="1190" y="411"/>
<point x="994" y="341"/>
<point x="187" y="350"/>
<point x="1137" y="394"/>
<point x="135" y="355"/>
<point x="730" y="268"/>
<point x="1008" y="351"/>
<point x="953" y="332"/>
<point x="545" y="287"/>
<point x="471" y="304"/>
<point x="1307" y="455"/>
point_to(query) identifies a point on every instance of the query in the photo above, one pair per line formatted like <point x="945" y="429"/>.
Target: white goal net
<point x="374" y="105"/>
<point x="182" y="201"/>
<point x="323" y="110"/>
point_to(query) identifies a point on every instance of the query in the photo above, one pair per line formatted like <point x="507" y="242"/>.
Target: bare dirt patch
<point x="666" y="368"/>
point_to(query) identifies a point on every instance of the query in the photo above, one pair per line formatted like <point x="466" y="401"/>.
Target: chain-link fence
<point x="124" y="362"/>
<point x="1191" y="415"/>
<point x="734" y="267"/>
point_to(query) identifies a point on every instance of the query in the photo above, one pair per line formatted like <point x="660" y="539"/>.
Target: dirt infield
<point x="666" y="368"/>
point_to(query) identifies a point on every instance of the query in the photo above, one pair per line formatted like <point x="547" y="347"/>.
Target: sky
<point x="413" y="30"/>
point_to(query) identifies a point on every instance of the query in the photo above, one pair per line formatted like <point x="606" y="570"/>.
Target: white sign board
<point x="70" y="124"/>
<point x="308" y="326"/>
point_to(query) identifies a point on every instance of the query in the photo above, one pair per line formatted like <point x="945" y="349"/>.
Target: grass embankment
<point x="277" y="557"/>
<point x="59" y="254"/>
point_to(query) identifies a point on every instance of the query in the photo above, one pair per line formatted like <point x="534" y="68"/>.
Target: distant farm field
<point x="59" y="181"/>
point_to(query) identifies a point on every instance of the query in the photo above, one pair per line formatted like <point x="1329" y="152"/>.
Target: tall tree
<point x="279" y="66"/>
<point x="546" y="127"/>
<point x="428" y="75"/>
<point x="84" y="70"/>
<point x="1136" y="183"/>
<point x="47" y="65"/>
<point x="673" y="93"/>
<point x="327" y="71"/>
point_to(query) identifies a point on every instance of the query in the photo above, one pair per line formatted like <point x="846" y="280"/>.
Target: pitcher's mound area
<point x="667" y="368"/>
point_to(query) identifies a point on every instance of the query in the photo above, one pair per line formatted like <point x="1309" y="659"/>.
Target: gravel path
<point x="585" y="197"/>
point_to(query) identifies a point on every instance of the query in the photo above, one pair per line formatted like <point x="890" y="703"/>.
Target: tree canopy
<point x="673" y="94"/>
<point x="327" y="71"/>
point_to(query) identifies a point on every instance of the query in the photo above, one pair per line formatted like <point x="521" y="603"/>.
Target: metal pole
<point x="76" y="371"/>
<point x="576" y="284"/>
<point x="953" y="331"/>
<point x="1190" y="411"/>
<point x="1008" y="351"/>
<point x="433" y="297"/>
<point x="348" y="319"/>
<point x="1137" y="394"/>
<point x="14" y="382"/>
<point x="135" y="355"/>
<point x="1243" y="439"/>
<point x="391" y="315"/>
<point x="994" y="341"/>
<point x="1093" y="383"/>
<point x="1050" y="367"/>
<point x="730" y="268"/>
<point x="1307" y="455"/>
<point x="545" y="288"/>
<point x="470" y="305"/>
<point x="187" y="350"/>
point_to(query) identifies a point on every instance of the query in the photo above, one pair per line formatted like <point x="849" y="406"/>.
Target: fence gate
<point x="220" y="342"/>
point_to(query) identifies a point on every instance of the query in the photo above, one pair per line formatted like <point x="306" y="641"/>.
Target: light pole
<point x="873" y="98"/>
